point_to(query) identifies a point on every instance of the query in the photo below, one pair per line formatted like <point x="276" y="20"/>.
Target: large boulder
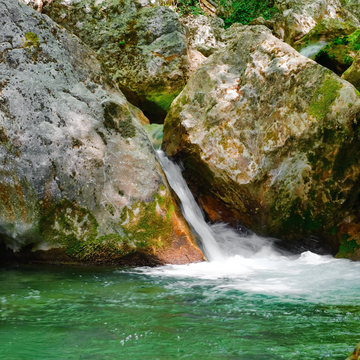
<point x="143" y="46"/>
<point x="270" y="138"/>
<point x="78" y="172"/>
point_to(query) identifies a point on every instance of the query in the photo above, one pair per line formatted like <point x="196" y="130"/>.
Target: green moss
<point x="339" y="54"/>
<point x="147" y="228"/>
<point x="117" y="118"/>
<point x="347" y="248"/>
<point x="110" y="209"/>
<point x="163" y="100"/>
<point x="32" y="40"/>
<point x="75" y="228"/>
<point x="323" y="98"/>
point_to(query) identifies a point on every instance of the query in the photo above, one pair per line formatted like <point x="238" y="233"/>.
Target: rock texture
<point x="78" y="172"/>
<point x="352" y="6"/>
<point x="143" y="47"/>
<point x="270" y="138"/>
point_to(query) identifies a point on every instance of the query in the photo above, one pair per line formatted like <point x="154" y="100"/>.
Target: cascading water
<point x="190" y="209"/>
<point x="313" y="49"/>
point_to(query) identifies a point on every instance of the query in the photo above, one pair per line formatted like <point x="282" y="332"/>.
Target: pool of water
<point x="267" y="306"/>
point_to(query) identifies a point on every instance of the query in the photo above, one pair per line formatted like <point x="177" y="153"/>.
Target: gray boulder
<point x="77" y="171"/>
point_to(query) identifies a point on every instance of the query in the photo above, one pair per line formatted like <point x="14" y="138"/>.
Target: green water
<point x="106" y="313"/>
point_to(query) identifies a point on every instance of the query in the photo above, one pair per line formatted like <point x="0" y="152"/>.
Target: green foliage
<point x="244" y="11"/>
<point x="189" y="7"/>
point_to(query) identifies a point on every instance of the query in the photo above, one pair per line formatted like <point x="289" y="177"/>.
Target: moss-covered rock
<point x="75" y="160"/>
<point x="325" y="31"/>
<point x="352" y="74"/>
<point x="272" y="137"/>
<point x="340" y="53"/>
<point x="297" y="18"/>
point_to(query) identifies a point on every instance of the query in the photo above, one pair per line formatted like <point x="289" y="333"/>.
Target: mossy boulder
<point x="296" y="18"/>
<point x="272" y="137"/>
<point x="325" y="31"/>
<point x="352" y="74"/>
<point x="143" y="47"/>
<point x="340" y="53"/>
<point x="78" y="173"/>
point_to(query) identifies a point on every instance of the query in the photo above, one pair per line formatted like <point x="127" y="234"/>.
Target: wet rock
<point x="271" y="136"/>
<point x="143" y="46"/>
<point x="78" y="172"/>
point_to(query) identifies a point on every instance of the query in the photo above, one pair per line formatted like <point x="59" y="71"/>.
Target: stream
<point x="250" y="301"/>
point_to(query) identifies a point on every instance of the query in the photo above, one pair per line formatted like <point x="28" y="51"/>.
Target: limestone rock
<point x="204" y="33"/>
<point x="143" y="47"/>
<point x="78" y="172"/>
<point x="272" y="137"/>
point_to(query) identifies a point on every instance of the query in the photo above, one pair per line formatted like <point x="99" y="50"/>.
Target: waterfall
<point x="313" y="49"/>
<point x="190" y="208"/>
<point x="219" y="241"/>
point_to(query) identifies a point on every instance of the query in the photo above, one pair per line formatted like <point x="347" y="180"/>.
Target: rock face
<point x="204" y="34"/>
<point x="270" y="138"/>
<point x="78" y="172"/>
<point x="143" y="47"/>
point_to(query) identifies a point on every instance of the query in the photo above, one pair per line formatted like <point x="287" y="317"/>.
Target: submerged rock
<point x="270" y="138"/>
<point x="78" y="172"/>
<point x="143" y="47"/>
